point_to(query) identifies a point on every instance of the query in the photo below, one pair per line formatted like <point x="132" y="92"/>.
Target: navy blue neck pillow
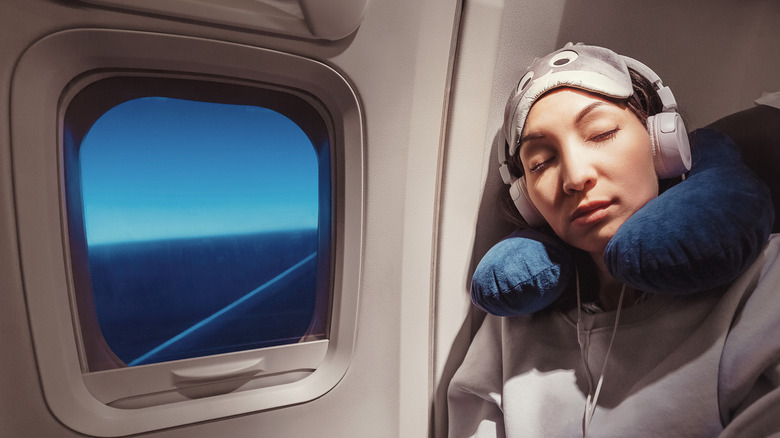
<point x="696" y="236"/>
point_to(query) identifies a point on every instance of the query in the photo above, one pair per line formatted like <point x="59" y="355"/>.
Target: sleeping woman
<point x="590" y="134"/>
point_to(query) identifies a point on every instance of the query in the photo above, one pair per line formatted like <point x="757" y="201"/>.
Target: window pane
<point x="201" y="223"/>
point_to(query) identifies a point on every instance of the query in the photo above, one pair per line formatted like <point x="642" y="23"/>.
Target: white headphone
<point x="671" y="150"/>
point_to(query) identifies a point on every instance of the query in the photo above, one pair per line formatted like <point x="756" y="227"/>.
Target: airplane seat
<point x="757" y="133"/>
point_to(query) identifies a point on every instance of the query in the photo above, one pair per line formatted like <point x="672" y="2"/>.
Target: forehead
<point x="565" y="105"/>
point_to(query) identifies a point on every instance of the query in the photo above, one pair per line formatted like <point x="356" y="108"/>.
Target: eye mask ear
<point x="696" y="236"/>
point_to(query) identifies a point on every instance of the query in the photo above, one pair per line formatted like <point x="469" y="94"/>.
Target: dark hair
<point x="644" y="103"/>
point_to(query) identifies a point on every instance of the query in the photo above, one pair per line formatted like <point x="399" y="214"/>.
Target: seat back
<point x="757" y="133"/>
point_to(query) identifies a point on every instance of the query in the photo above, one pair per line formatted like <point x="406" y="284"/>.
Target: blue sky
<point x="157" y="168"/>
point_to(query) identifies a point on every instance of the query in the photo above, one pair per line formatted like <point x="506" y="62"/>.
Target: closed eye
<point x="604" y="136"/>
<point x="536" y="168"/>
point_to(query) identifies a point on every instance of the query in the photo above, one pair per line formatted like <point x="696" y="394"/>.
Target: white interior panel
<point x="397" y="62"/>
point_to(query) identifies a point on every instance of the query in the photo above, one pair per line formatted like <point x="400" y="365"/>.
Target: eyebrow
<point x="577" y="119"/>
<point x="531" y="136"/>
<point x="585" y="111"/>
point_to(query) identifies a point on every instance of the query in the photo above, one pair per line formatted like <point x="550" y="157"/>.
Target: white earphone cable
<point x="590" y="402"/>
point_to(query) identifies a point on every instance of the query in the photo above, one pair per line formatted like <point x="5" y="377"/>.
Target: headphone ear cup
<point x="671" y="149"/>
<point x="519" y="193"/>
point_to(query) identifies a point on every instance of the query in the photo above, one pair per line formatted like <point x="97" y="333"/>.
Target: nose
<point x="578" y="172"/>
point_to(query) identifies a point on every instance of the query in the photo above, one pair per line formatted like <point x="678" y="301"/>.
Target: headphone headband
<point x="664" y="93"/>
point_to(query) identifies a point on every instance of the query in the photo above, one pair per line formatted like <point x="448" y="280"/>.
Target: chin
<point x="595" y="242"/>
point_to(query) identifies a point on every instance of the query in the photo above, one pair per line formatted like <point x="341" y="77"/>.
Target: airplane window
<point x="202" y="224"/>
<point x="190" y="217"/>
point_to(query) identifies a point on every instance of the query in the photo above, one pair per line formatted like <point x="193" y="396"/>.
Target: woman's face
<point x="588" y="164"/>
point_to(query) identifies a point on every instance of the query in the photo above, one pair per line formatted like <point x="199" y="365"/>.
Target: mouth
<point x="589" y="213"/>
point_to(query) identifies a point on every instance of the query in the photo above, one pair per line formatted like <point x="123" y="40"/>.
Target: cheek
<point x="544" y="195"/>
<point x="650" y="191"/>
<point x="638" y="184"/>
<point x="636" y="165"/>
<point x="642" y="174"/>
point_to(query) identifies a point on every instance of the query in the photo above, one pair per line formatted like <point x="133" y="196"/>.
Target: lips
<point x="590" y="212"/>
